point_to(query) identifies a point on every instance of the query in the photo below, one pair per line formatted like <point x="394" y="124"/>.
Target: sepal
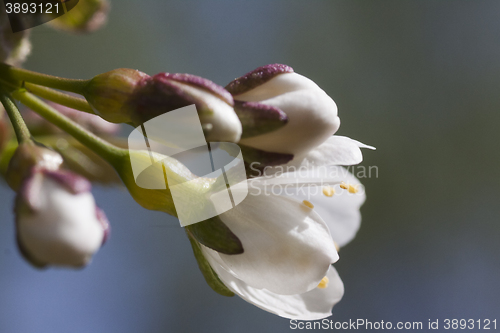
<point x="258" y="118"/>
<point x="109" y="93"/>
<point x="208" y="273"/>
<point x="256" y="78"/>
<point x="214" y="234"/>
<point x="28" y="156"/>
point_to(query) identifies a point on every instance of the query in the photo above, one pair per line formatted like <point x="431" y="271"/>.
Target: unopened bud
<point x="29" y="156"/>
<point x="109" y="94"/>
<point x="129" y="96"/>
<point x="166" y="92"/>
<point x="312" y="114"/>
<point x="57" y="220"/>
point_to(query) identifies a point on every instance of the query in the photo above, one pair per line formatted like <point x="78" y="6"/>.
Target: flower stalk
<point x="107" y="151"/>
<point x="58" y="97"/>
<point x="11" y="73"/>
<point x="22" y="132"/>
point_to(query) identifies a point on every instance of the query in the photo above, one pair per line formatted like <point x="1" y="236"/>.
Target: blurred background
<point x="417" y="79"/>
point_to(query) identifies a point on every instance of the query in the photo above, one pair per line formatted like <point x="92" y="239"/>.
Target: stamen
<point x="350" y="187"/>
<point x="308" y="204"/>
<point x="337" y="247"/>
<point x="328" y="191"/>
<point x="323" y="283"/>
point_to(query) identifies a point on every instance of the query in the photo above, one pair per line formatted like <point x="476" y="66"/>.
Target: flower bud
<point x="129" y="96"/>
<point x="311" y="113"/>
<point x="86" y="16"/>
<point x="109" y="93"/>
<point x="57" y="220"/>
<point x="28" y="156"/>
<point x="166" y="92"/>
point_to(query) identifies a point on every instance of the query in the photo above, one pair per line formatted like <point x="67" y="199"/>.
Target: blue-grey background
<point x="417" y="79"/>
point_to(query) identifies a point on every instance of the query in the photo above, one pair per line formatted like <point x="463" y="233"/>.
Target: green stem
<point x="11" y="73"/>
<point x="22" y="132"/>
<point x="59" y="97"/>
<point x="104" y="149"/>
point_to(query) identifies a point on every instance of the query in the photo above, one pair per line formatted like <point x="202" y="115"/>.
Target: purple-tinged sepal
<point x="28" y="156"/>
<point x="103" y="220"/>
<point x="258" y="118"/>
<point x="256" y="78"/>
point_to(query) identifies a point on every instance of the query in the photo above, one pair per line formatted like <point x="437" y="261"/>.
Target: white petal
<point x="311" y="305"/>
<point x="336" y="150"/>
<point x="64" y="230"/>
<point x="340" y="212"/>
<point x="288" y="248"/>
<point x="312" y="115"/>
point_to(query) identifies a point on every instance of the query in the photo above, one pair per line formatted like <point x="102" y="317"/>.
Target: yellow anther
<point x="350" y="187"/>
<point x="323" y="283"/>
<point x="337" y="247"/>
<point x="328" y="191"/>
<point x="353" y="188"/>
<point x="308" y="204"/>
